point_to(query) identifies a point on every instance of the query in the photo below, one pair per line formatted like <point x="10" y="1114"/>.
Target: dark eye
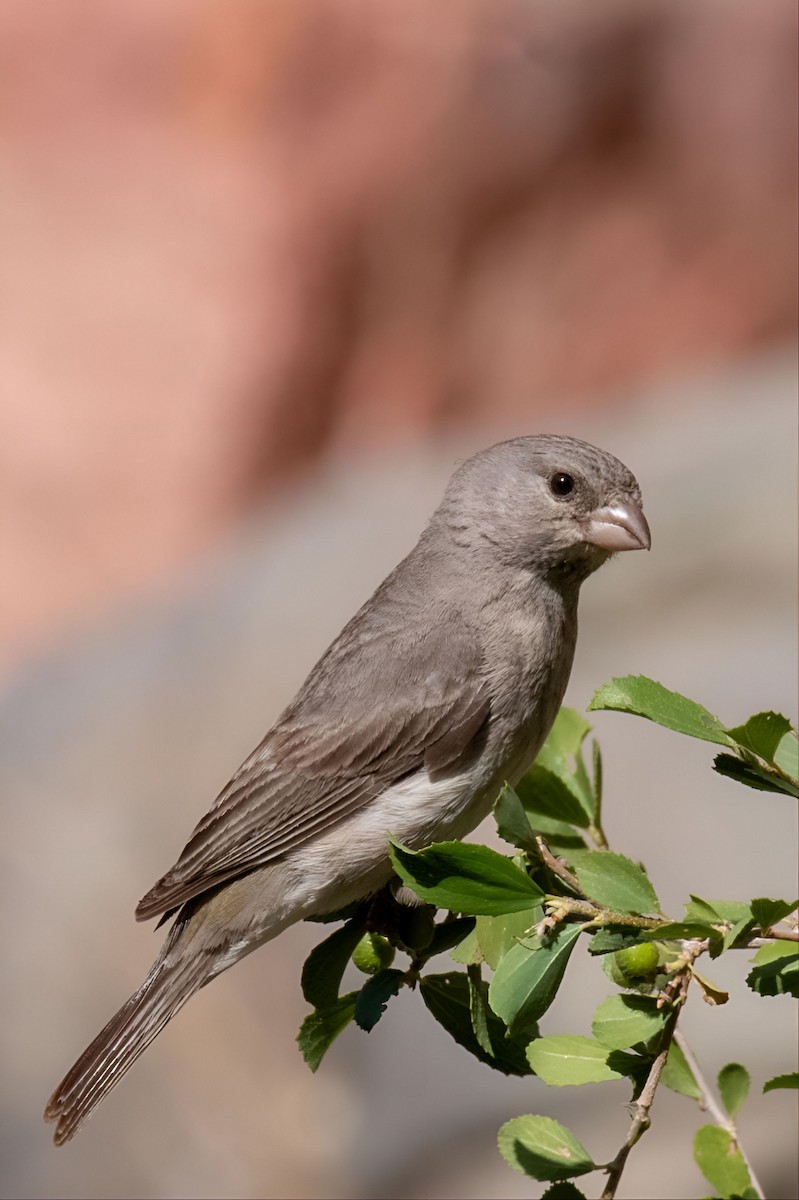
<point x="561" y="484"/>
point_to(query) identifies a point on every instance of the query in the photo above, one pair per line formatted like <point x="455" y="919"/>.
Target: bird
<point x="441" y="689"/>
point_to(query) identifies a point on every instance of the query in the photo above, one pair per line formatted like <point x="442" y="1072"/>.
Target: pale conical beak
<point x="619" y="527"/>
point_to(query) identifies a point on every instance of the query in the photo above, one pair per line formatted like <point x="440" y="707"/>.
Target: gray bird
<point x="439" y="690"/>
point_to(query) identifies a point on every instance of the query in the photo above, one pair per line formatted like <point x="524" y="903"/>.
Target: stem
<point x="711" y="1105"/>
<point x="595" y="831"/>
<point x="755" y="943"/>
<point x="641" y="1119"/>
<point x="602" y="916"/>
<point x="676" y="992"/>
<point x="556" y="867"/>
<point x="597" y="835"/>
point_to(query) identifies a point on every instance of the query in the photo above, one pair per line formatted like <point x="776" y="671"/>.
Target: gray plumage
<point x="441" y="688"/>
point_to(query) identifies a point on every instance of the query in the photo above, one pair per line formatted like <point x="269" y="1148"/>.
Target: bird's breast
<point x="531" y="667"/>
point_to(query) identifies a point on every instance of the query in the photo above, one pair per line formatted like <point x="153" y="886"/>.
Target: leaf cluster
<point x="520" y="917"/>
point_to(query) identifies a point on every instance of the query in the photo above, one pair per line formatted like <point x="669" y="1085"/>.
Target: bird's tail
<point x="101" y="1066"/>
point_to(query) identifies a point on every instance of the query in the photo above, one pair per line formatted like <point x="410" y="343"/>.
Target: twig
<point x="779" y="935"/>
<point x="676" y="992"/>
<point x="595" y="831"/>
<point x="641" y="1119"/>
<point x="596" y="915"/>
<point x="712" y="1106"/>
<point x="597" y="836"/>
<point x="556" y="867"/>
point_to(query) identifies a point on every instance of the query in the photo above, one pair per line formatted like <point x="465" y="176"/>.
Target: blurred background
<point x="269" y="269"/>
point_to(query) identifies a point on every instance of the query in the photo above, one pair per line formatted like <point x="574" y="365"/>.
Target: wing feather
<point x="343" y="741"/>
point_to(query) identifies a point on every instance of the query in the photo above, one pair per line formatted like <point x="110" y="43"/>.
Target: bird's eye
<point x="561" y="484"/>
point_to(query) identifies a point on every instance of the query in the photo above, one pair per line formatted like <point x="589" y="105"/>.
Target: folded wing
<point x="354" y="729"/>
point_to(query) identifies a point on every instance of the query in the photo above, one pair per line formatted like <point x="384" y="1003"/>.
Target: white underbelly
<point x="351" y="860"/>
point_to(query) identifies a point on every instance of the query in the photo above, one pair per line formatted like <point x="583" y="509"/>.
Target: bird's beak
<point x="619" y="527"/>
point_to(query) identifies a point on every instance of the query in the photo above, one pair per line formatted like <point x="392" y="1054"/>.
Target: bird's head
<point x="549" y="503"/>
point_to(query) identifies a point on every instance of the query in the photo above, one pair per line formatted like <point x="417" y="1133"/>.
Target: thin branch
<point x="712" y="1106"/>
<point x="598" y="916"/>
<point x="778" y="935"/>
<point x="597" y="836"/>
<point x="708" y="1102"/>
<point x="557" y="867"/>
<point x="783" y="935"/>
<point x="641" y="1119"/>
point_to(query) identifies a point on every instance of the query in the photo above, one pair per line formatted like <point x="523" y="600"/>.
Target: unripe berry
<point x="373" y="953"/>
<point x="637" y="962"/>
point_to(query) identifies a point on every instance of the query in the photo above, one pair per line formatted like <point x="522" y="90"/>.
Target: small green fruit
<point x="637" y="962"/>
<point x="372" y="954"/>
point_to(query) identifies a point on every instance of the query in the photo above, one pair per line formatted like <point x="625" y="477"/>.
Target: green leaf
<point x="568" y="732"/>
<point x="768" y="913"/>
<point x="448" y="935"/>
<point x="324" y="966"/>
<point x="467" y="951"/>
<point x="717" y="911"/>
<point x="557" y="786"/>
<point x="645" y="698"/>
<point x="375" y="995"/>
<point x="681" y="931"/>
<point x="543" y="1149"/>
<point x="616" y="882"/>
<point x="720" y="1161"/>
<point x="320" y="1028"/>
<point x="678" y="1076"/>
<point x="701" y="911"/>
<point x="775" y="951"/>
<point x="632" y="1065"/>
<point x="563" y="1191"/>
<point x="447" y="998"/>
<point x="738" y="934"/>
<point x="512" y="822"/>
<point x="526" y="981"/>
<point x="791" y="1080"/>
<point x="566" y="1059"/>
<point x="543" y="793"/>
<point x="622" y="1021"/>
<point x="762" y="734"/>
<point x="776" y="972"/>
<point x="678" y="931"/>
<point x="596" y="762"/>
<point x="786" y="756"/>
<point x="611" y="938"/>
<point x="478" y="1009"/>
<point x="465" y="878"/>
<point x="733" y="1084"/>
<point x="736" y="915"/>
<point x="496" y="935"/>
<point x="761" y="778"/>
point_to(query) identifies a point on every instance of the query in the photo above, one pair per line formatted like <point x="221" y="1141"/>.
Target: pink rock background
<point x="239" y="234"/>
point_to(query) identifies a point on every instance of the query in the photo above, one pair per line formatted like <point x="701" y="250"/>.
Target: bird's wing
<point x="366" y="718"/>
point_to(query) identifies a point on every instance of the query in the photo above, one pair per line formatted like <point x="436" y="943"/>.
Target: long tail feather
<point x="101" y="1066"/>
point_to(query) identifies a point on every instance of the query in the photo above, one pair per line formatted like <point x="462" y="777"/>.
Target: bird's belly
<point x="351" y="860"/>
